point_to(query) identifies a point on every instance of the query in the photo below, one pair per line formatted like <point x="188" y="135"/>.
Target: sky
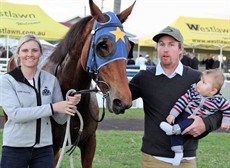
<point x="147" y="17"/>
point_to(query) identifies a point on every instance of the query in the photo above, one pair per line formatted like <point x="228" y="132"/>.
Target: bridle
<point x="95" y="62"/>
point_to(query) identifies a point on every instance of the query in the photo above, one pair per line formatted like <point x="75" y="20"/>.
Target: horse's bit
<point x="95" y="61"/>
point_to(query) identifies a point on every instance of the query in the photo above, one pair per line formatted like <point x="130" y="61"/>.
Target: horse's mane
<point x="72" y="39"/>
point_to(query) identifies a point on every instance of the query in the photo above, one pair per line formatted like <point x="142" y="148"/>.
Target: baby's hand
<point x="170" y="119"/>
<point x="225" y="126"/>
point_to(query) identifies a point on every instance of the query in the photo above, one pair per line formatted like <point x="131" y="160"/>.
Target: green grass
<point x="213" y="151"/>
<point x="117" y="149"/>
<point x="121" y="149"/>
<point x="1" y="112"/>
<point x="131" y="113"/>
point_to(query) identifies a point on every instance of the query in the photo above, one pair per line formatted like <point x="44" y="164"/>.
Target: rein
<point x="86" y="91"/>
<point x="93" y="64"/>
<point x="72" y="92"/>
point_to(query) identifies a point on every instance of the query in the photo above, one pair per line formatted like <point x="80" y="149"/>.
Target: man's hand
<point x="197" y="127"/>
<point x="225" y="126"/>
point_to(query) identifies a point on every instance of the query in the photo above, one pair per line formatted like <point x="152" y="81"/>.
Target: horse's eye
<point x="105" y="47"/>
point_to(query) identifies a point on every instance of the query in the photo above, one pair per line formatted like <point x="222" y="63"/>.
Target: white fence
<point x="131" y="71"/>
<point x="3" y="65"/>
<point x="226" y="87"/>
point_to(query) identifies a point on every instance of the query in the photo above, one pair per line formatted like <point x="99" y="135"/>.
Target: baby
<point x="201" y="99"/>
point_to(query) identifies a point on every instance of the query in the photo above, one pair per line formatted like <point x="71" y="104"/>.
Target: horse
<point x="95" y="48"/>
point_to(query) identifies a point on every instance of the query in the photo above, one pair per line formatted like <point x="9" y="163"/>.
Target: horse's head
<point x="105" y="54"/>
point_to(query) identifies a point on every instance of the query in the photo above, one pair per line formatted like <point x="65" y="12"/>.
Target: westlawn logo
<point x="208" y="29"/>
<point x="9" y="14"/>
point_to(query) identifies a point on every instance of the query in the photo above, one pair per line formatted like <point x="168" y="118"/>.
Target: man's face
<point x="169" y="51"/>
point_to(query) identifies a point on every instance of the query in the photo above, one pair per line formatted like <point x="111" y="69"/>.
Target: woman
<point x="29" y="97"/>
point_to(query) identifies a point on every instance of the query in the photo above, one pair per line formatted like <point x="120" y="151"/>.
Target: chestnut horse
<point x="95" y="48"/>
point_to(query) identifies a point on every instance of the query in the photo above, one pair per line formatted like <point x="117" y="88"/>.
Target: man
<point x="208" y="61"/>
<point x="4" y="53"/>
<point x="160" y="87"/>
<point x="140" y="60"/>
<point x="186" y="60"/>
<point x="148" y="60"/>
<point x="194" y="61"/>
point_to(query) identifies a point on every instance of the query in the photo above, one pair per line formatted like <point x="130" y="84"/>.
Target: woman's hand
<point x="75" y="99"/>
<point x="68" y="106"/>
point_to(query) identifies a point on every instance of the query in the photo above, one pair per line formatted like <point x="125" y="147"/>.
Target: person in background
<point x="2" y="49"/>
<point x="148" y="60"/>
<point x="194" y="61"/>
<point x="30" y="96"/>
<point x="186" y="60"/>
<point x="216" y="63"/>
<point x="208" y="62"/>
<point x="160" y="87"/>
<point x="130" y="61"/>
<point x="4" y="53"/>
<point x="140" y="60"/>
<point x="201" y="99"/>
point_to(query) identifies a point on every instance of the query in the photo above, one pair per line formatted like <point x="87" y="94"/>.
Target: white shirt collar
<point x="178" y="70"/>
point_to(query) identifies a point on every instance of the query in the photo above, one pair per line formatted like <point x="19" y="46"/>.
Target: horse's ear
<point x="94" y="9"/>
<point x="124" y="14"/>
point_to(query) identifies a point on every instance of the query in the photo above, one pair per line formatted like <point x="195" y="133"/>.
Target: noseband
<point x="112" y="31"/>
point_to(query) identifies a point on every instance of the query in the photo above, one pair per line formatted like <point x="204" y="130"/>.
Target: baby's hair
<point x="218" y="77"/>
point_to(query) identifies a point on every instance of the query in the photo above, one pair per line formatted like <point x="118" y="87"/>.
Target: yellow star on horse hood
<point x="118" y="34"/>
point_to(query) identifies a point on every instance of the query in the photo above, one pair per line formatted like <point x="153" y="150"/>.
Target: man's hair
<point x="217" y="76"/>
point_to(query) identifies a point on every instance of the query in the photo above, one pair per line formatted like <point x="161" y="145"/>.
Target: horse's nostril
<point x="117" y="103"/>
<point x="118" y="106"/>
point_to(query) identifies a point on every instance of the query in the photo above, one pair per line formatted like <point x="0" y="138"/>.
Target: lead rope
<point x="67" y="133"/>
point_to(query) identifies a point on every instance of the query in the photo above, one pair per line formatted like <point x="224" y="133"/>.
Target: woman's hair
<point x="27" y="38"/>
<point x="217" y="76"/>
<point x="22" y="40"/>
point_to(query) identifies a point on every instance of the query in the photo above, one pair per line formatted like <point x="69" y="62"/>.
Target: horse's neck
<point x="48" y="64"/>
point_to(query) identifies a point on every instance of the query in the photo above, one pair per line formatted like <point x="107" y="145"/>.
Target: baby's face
<point x="205" y="86"/>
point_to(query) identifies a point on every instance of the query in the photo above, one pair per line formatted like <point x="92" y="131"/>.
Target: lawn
<point x="132" y="113"/>
<point x="121" y="149"/>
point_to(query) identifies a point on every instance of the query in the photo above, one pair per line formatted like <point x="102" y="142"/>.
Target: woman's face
<point x="29" y="54"/>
